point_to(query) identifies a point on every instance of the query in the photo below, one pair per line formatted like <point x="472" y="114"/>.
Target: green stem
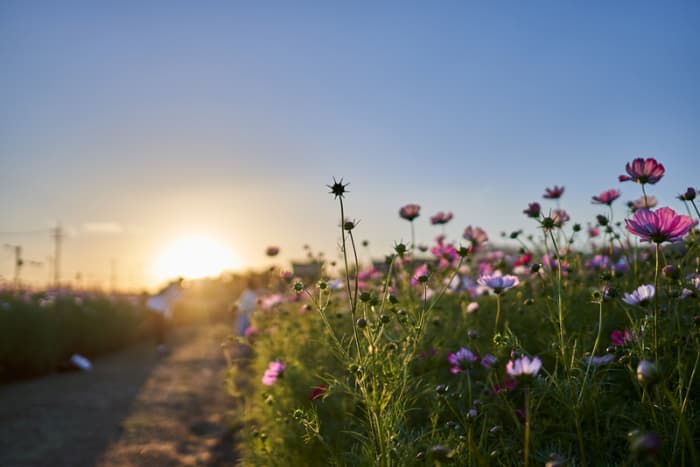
<point x="498" y="311"/>
<point x="353" y="300"/>
<point x="560" y="305"/>
<point x="656" y="302"/>
<point x="593" y="352"/>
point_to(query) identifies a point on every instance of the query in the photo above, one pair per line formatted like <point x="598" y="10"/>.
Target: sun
<point x="194" y="257"/>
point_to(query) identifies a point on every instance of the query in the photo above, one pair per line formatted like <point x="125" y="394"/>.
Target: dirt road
<point x="136" y="408"/>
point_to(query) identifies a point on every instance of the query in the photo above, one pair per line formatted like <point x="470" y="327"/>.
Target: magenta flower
<point x="274" y="370"/>
<point x="461" y="360"/>
<point x="318" y="392"/>
<point x="523" y="367"/>
<point x="419" y="273"/>
<point x="476" y="236"/>
<point x="533" y="210"/>
<point x="498" y="283"/>
<point x="410" y="212"/>
<point x="606" y="197"/>
<point x="593" y="232"/>
<point x="553" y="193"/>
<point x="643" y="171"/>
<point x="447" y="253"/>
<point x="441" y="218"/>
<point x="662" y="225"/>
<point x="642" y="296"/>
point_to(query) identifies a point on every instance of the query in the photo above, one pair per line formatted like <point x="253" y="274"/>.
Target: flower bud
<point x="647" y="373"/>
<point x="361" y="323"/>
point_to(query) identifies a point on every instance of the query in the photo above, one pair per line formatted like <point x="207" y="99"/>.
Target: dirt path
<point x="135" y="408"/>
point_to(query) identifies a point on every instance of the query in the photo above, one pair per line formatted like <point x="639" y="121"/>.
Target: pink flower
<point x="410" y="212"/>
<point x="648" y="202"/>
<point x="643" y="171"/>
<point x="272" y="251"/>
<point x="418" y="273"/>
<point x="476" y="236"/>
<point x="523" y="367"/>
<point x="461" y="360"/>
<point x="441" y="218"/>
<point x="560" y="216"/>
<point x="447" y="253"/>
<point x="523" y="260"/>
<point x="553" y="193"/>
<point x="593" y="232"/>
<point x="662" y="225"/>
<point x="498" y="283"/>
<point x="606" y="197"/>
<point x="472" y="307"/>
<point x="275" y="369"/>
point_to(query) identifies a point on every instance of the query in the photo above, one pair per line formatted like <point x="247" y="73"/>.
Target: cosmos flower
<point x="272" y="251"/>
<point x="275" y="369"/>
<point x="606" y="197"/>
<point x="419" y="273"/>
<point x="410" y="212"/>
<point x="689" y="195"/>
<point x="498" y="283"/>
<point x="488" y="360"/>
<point x="642" y="296"/>
<point x="475" y="235"/>
<point x="553" y="193"/>
<point x="662" y="225"/>
<point x="643" y="171"/>
<point x="533" y="210"/>
<point x="523" y="367"/>
<point x="461" y="360"/>
<point x="560" y="217"/>
<point x="441" y="218"/>
<point x="648" y="202"/>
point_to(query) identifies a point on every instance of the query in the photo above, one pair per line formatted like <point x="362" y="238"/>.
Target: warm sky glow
<point x="193" y="257"/>
<point x="133" y="123"/>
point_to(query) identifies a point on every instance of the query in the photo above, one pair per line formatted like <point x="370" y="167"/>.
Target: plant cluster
<point x="467" y="354"/>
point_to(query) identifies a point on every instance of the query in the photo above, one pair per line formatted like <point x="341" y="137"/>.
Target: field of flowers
<point x="40" y="331"/>
<point x="464" y="354"/>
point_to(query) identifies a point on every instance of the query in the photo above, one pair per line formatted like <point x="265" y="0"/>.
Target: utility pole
<point x="113" y="275"/>
<point x="57" y="237"/>
<point x="18" y="264"/>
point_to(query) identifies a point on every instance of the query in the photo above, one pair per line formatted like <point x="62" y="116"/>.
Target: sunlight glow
<point x="194" y="257"/>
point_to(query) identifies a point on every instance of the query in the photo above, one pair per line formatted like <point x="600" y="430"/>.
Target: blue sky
<point x="229" y="118"/>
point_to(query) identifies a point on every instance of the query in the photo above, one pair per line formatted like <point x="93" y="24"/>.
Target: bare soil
<point x="135" y="408"/>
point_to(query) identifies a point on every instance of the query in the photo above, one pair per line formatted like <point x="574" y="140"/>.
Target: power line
<point x="26" y="232"/>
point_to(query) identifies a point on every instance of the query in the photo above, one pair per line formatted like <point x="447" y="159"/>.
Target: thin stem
<point x="644" y="192"/>
<point x="560" y="305"/>
<point x="695" y="206"/>
<point x="347" y="278"/>
<point x="526" y="450"/>
<point x="656" y="302"/>
<point x="593" y="352"/>
<point x="498" y="311"/>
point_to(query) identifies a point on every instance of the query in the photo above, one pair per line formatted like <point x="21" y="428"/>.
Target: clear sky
<point x="137" y="123"/>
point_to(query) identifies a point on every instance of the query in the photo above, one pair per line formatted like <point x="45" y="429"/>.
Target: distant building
<point x="311" y="270"/>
